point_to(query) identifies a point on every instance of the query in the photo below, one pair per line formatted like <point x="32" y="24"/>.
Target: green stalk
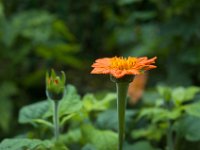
<point x="122" y="88"/>
<point x="56" y="119"/>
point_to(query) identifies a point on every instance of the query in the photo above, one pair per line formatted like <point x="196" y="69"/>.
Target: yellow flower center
<point x="123" y="63"/>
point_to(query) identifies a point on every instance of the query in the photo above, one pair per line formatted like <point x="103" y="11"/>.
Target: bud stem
<point x="56" y="119"/>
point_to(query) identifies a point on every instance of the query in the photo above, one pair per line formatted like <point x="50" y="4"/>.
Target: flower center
<point x="123" y="63"/>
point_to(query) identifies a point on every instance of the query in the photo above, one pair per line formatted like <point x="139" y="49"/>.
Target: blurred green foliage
<point x="90" y="122"/>
<point x="37" y="35"/>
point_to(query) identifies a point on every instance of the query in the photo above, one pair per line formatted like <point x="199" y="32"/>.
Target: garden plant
<point x="73" y="75"/>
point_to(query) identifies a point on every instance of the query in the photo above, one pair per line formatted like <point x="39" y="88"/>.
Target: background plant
<point x="75" y="34"/>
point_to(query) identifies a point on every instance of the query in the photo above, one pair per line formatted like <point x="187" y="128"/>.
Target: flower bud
<point x="55" y="85"/>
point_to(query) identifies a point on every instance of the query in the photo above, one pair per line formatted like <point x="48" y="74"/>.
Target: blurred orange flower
<point x="119" y="66"/>
<point x="136" y="88"/>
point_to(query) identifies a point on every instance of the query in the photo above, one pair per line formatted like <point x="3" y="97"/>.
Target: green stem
<point x="122" y="88"/>
<point x="170" y="143"/>
<point x="56" y="120"/>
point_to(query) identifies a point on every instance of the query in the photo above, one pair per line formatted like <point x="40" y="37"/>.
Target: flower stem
<point x="56" y="119"/>
<point x="122" y="88"/>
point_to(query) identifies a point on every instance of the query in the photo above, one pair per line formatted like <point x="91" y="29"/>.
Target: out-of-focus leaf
<point x="19" y="144"/>
<point x="101" y="139"/>
<point x="191" y="92"/>
<point x="193" y="109"/>
<point x="144" y="15"/>
<point x="62" y="52"/>
<point x="125" y="2"/>
<point x="90" y="102"/>
<point x="108" y="119"/>
<point x="165" y="92"/>
<point x="178" y="95"/>
<point x="1" y="10"/>
<point x="39" y="112"/>
<point x="33" y="78"/>
<point x="89" y="147"/>
<point x="35" y="25"/>
<point x="124" y="35"/>
<point x="72" y="136"/>
<point x="71" y="103"/>
<point x="150" y="97"/>
<point x="188" y="127"/>
<point x="34" y="113"/>
<point x="141" y="145"/>
<point x="152" y="132"/>
<point x="164" y="114"/>
<point x="61" y="28"/>
<point x="7" y="90"/>
<point x="181" y="94"/>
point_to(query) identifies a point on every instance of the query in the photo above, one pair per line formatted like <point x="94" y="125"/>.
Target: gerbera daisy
<point x="119" y="66"/>
<point x="122" y="71"/>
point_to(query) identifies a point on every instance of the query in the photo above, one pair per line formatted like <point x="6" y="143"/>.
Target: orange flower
<point x="136" y="88"/>
<point x="119" y="66"/>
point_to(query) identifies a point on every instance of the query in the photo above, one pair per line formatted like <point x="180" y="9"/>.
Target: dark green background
<point x="69" y="35"/>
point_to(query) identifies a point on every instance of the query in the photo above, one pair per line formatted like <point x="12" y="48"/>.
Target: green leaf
<point x="71" y="103"/>
<point x="181" y="94"/>
<point x="164" y="114"/>
<point x="150" y="97"/>
<point x="88" y="147"/>
<point x="191" y="92"/>
<point x="144" y="15"/>
<point x="7" y="90"/>
<point x="178" y="95"/>
<point x="108" y="119"/>
<point x="19" y="144"/>
<point x="141" y="145"/>
<point x="90" y="102"/>
<point x="61" y="28"/>
<point x="34" y="113"/>
<point x="188" y="127"/>
<point x="66" y="118"/>
<point x="41" y="111"/>
<point x="1" y="10"/>
<point x="152" y="132"/>
<point x="165" y="92"/>
<point x="100" y="139"/>
<point x="72" y="136"/>
<point x="193" y="109"/>
<point x="125" y="2"/>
